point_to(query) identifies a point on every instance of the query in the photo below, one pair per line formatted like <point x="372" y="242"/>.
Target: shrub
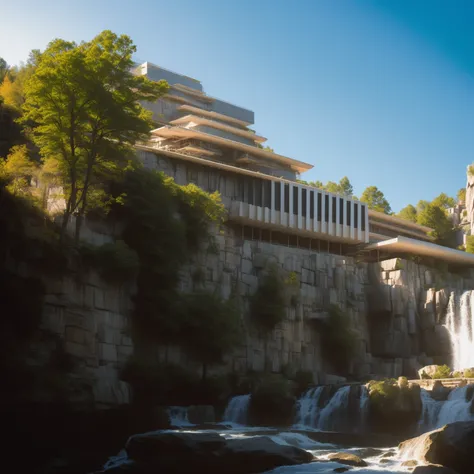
<point x="338" y="339"/>
<point x="442" y="372"/>
<point x="268" y="305"/>
<point x="272" y="402"/>
<point x="468" y="373"/>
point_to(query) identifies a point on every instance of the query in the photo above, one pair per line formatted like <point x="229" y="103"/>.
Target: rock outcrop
<point x="451" y="446"/>
<point x="176" y="452"/>
<point x="348" y="459"/>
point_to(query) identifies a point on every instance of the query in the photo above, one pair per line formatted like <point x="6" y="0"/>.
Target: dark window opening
<point x="334" y="210"/>
<point x="287" y="198"/>
<point x="341" y="211"/>
<point x="295" y="200"/>
<point x="326" y="208"/>
<point x="311" y="204"/>
<point x="278" y="196"/>
<point x="320" y="206"/>
<point x="349" y="208"/>
<point x="303" y="203"/>
<point x="356" y="216"/>
<point x="258" y="183"/>
<point x="250" y="188"/>
<point x="267" y="194"/>
<point x="362" y="219"/>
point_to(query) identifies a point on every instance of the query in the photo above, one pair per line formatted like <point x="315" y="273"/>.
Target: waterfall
<point x="364" y="407"/>
<point x="335" y="413"/>
<point x="236" y="410"/>
<point x="429" y="411"/>
<point x="178" y="416"/>
<point x="455" y="408"/>
<point x="460" y="325"/>
<point x="307" y="411"/>
<point x="436" y="414"/>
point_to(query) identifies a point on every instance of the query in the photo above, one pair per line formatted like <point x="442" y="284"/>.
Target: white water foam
<point x="307" y="411"/>
<point x="335" y="412"/>
<point x="178" y="416"/>
<point x="237" y="410"/>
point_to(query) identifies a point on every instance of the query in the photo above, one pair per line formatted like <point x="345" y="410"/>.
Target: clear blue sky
<point x="379" y="90"/>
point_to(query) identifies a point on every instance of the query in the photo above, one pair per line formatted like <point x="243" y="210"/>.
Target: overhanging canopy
<point x="417" y="247"/>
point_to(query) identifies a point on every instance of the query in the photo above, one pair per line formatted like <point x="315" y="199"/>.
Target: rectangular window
<point x="287" y="198"/>
<point x="356" y="216"/>
<point x="258" y="184"/>
<point x="250" y="187"/>
<point x="334" y="210"/>
<point x="320" y="207"/>
<point x="295" y="200"/>
<point x="277" y="196"/>
<point x="311" y="204"/>
<point x="213" y="180"/>
<point x="326" y="208"/>
<point x="341" y="211"/>
<point x="349" y="208"/>
<point x="267" y="194"/>
<point x="303" y="203"/>
<point x="362" y="219"/>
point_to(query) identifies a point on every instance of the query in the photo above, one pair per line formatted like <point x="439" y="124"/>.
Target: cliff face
<point x="470" y="201"/>
<point x="395" y="308"/>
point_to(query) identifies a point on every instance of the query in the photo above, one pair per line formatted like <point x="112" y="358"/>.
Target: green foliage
<point x="18" y="170"/>
<point x="470" y="243"/>
<point x="425" y="376"/>
<point x="383" y="393"/>
<point x="272" y="402"/>
<point x="399" y="264"/>
<point x="457" y="375"/>
<point x="344" y="187"/>
<point x="461" y="195"/>
<point x="210" y="327"/>
<point x="338" y="339"/>
<point x="443" y="201"/>
<point x="375" y="200"/>
<point x="435" y="217"/>
<point x="268" y="304"/>
<point x="442" y="372"/>
<point x="164" y="224"/>
<point x="85" y="103"/>
<point x="116" y="261"/>
<point x="468" y="373"/>
<point x="409" y="213"/>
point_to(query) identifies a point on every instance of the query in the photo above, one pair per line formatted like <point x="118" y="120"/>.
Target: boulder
<point x="174" y="452"/>
<point x="433" y="469"/>
<point x="200" y="414"/>
<point x="449" y="446"/>
<point x="347" y="458"/>
<point x="429" y="370"/>
<point x="439" y="392"/>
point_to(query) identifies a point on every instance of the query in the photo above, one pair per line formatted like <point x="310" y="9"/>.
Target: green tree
<point x="470" y="243"/>
<point x="443" y="201"/>
<point x="435" y="217"/>
<point x="85" y="102"/>
<point x="375" y="199"/>
<point x="3" y="69"/>
<point x="345" y="187"/>
<point x="461" y="195"/>
<point x="211" y="328"/>
<point x="18" y="170"/>
<point x="422" y="204"/>
<point x="409" y="213"/>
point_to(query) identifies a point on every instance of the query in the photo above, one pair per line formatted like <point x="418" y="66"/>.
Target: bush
<point x="442" y="372"/>
<point x="338" y="339"/>
<point x="272" y="402"/>
<point x="469" y="373"/>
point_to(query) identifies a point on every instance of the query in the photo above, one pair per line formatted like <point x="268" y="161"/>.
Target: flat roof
<point x="417" y="247"/>
<point x="221" y="126"/>
<point x="176" y="131"/>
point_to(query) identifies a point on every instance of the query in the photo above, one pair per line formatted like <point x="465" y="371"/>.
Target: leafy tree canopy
<point x="444" y="201"/>
<point x="409" y="213"/>
<point x="461" y="194"/>
<point x="375" y="199"/>
<point x="435" y="217"/>
<point x="344" y="186"/>
<point x="85" y="102"/>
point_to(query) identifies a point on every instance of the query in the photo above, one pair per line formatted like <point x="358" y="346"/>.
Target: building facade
<point x="207" y="141"/>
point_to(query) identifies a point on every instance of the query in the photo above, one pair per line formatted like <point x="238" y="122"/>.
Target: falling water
<point x="429" y="411"/>
<point x="456" y="407"/>
<point x="364" y="407"/>
<point x="460" y="325"/>
<point x="178" y="416"/>
<point x="334" y="414"/>
<point x="236" y="411"/>
<point x="307" y="412"/>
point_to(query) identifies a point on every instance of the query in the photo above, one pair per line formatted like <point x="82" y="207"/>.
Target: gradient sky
<point x="379" y="90"/>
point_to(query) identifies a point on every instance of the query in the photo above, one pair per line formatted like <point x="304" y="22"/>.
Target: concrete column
<point x="290" y="214"/>
<point x="300" y="208"/>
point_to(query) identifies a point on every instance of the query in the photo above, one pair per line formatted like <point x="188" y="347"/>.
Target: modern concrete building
<point x="207" y="141"/>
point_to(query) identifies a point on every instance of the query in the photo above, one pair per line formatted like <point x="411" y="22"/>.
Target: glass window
<point x="326" y="208"/>
<point x="295" y="200"/>
<point x="320" y="207"/>
<point x="356" y="216"/>
<point x="287" y="198"/>
<point x="349" y="208"/>
<point x="341" y="211"/>
<point x="278" y="196"/>
<point x="333" y="210"/>
<point x="362" y="219"/>
<point x="311" y="204"/>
